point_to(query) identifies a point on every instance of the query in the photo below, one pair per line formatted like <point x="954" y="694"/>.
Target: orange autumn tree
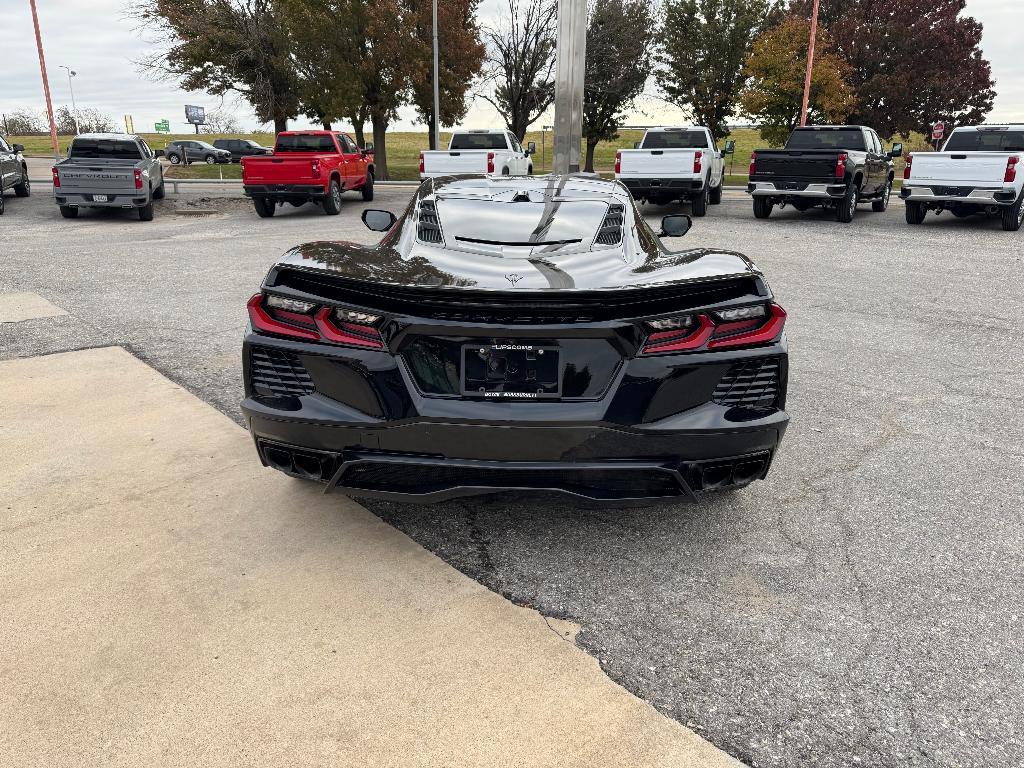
<point x="776" y="68"/>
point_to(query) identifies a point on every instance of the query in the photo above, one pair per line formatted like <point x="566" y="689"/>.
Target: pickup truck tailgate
<point x="795" y="163"/>
<point x="279" y="170"/>
<point x="964" y="168"/>
<point x="656" y="163"/>
<point x="455" y="161"/>
<point x="96" y="178"/>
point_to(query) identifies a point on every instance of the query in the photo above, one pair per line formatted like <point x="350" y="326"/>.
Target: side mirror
<point x="730" y="147"/>
<point x="368" y="147"/>
<point x="636" y="145"/>
<point x="531" y="147"/>
<point x="897" y="150"/>
<point x="377" y="220"/>
<point x="18" y="147"/>
<point x="675" y="226"/>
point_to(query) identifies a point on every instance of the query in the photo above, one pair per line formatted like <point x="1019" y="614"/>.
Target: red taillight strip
<point x="56" y="177"/>
<point x="663" y="342"/>
<point x="1011" y="169"/>
<point x="264" y="323"/>
<point x="770" y="331"/>
<point x="138" y="179"/>
<point x="331" y="332"/>
<point x="906" y="168"/>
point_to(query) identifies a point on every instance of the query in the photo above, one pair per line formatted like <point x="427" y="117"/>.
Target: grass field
<point x="403" y="149"/>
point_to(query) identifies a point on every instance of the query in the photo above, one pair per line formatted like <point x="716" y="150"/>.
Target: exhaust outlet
<point x="278" y="459"/>
<point x="309" y="467"/>
<point x="747" y="472"/>
<point x="715" y="476"/>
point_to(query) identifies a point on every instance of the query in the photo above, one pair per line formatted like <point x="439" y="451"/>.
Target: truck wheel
<point x="880" y="205"/>
<point x="847" y="206"/>
<point x="264" y="208"/>
<point x="210" y="159"/>
<point x="24" y="189"/>
<point x="69" y="212"/>
<point x="763" y="207"/>
<point x="160" y="192"/>
<point x="715" y="196"/>
<point x="700" y="203"/>
<point x="146" y="212"/>
<point x="915" y="213"/>
<point x="1013" y="216"/>
<point x="173" y="159"/>
<point x="332" y="203"/>
<point x="367" y="189"/>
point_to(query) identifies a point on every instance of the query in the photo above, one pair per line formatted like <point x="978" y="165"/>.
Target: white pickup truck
<point x="674" y="163"/>
<point x="979" y="170"/>
<point x="493" y="151"/>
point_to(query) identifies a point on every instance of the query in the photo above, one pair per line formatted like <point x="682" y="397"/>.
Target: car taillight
<point x="741" y="327"/>
<point x="490" y="162"/>
<point x="906" y="168"/>
<point x="841" y="165"/>
<point x="618" y="163"/>
<point x="698" y="157"/>
<point x="422" y="165"/>
<point x="333" y="327"/>
<point x="283" y="325"/>
<point x="753" y="162"/>
<point x="280" y="316"/>
<point x="56" y="177"/>
<point x="316" y="169"/>
<point x="1011" y="169"/>
<point x="138" y="179"/>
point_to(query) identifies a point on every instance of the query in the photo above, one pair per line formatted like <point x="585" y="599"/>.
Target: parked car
<point x="835" y="166"/>
<point x="13" y="171"/>
<point x="240" y="148"/>
<point x="308" y="166"/>
<point x="674" y="163"/>
<point x="976" y="172"/>
<point x="108" y="170"/>
<point x="495" y="339"/>
<point x="479" y="151"/>
<point x="190" y="151"/>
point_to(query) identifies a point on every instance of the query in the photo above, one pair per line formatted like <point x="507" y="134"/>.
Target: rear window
<point x="305" y="142"/>
<point x="831" y="138"/>
<point x="533" y="223"/>
<point x="985" y="141"/>
<point x="478" y="141"/>
<point x="97" y="148"/>
<point x="675" y="140"/>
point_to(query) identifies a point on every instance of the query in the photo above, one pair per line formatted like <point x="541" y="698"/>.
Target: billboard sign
<point x="195" y="115"/>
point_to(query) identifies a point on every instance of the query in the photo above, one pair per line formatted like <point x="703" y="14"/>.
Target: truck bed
<point x="802" y="164"/>
<point x="96" y="175"/>
<point x="659" y="163"/>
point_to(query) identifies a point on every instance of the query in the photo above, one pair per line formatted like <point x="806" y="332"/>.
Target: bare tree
<point x="521" y="62"/>
<point x="22" y="122"/>
<point x="221" y="121"/>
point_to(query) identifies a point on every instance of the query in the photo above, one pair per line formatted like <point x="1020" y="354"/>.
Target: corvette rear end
<point x="516" y="334"/>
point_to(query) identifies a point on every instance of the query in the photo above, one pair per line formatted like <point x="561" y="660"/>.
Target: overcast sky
<point x="96" y="39"/>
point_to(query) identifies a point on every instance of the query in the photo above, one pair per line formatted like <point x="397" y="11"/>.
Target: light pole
<point x="437" y="88"/>
<point x="810" y="64"/>
<point x="46" y="81"/>
<point x="74" y="108"/>
<point x="570" y="68"/>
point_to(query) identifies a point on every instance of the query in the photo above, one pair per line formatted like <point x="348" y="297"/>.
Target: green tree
<point x="776" y="71"/>
<point x="618" y="65"/>
<point x="704" y="44"/>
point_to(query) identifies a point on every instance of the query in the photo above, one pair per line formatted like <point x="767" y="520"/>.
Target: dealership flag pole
<point x="46" y="82"/>
<point x="570" y="68"/>
<point x="810" y="63"/>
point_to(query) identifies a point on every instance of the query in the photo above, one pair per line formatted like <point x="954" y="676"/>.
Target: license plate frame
<point x="101" y="198"/>
<point x="520" y="371"/>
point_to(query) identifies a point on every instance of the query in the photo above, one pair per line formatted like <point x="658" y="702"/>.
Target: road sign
<point x="164" y="126"/>
<point x="938" y="129"/>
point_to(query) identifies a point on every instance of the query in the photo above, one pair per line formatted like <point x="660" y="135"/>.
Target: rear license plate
<point x="100" y="199"/>
<point x="511" y="370"/>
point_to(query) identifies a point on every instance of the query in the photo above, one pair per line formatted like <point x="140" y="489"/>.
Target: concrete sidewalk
<point x="164" y="601"/>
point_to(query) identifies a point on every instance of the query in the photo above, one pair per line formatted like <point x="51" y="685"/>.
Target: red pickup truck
<point x="308" y="166"/>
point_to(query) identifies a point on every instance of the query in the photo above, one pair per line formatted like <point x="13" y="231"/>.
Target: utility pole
<point x="810" y="63"/>
<point x="570" y="68"/>
<point x="74" y="107"/>
<point x="46" y="82"/>
<point x="437" y="88"/>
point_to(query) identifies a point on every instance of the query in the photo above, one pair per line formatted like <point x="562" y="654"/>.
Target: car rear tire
<point x="332" y="203"/>
<point x="69" y="212"/>
<point x="264" y="208"/>
<point x="763" y="207"/>
<point x="880" y="205"/>
<point x="1013" y="216"/>
<point x="146" y="212"/>
<point x="367" y="189"/>
<point x="210" y="159"/>
<point x="915" y="213"/>
<point x="700" y="203"/>
<point x="847" y="206"/>
<point x="24" y="189"/>
<point x="173" y="159"/>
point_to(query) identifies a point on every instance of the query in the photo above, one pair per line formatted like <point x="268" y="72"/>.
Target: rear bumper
<point x="286" y="191"/>
<point x="114" y="201"/>
<point x="962" y="195"/>
<point x="790" y="190"/>
<point x="651" y="187"/>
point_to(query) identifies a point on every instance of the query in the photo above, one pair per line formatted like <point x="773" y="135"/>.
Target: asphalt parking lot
<point x="861" y="606"/>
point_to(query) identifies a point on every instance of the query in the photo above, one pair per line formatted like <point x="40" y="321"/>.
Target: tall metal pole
<point x="74" y="107"/>
<point x="810" y="63"/>
<point x="570" y="69"/>
<point x="437" y="88"/>
<point x="46" y="82"/>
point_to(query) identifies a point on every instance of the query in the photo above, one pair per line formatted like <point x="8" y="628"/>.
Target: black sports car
<point x="516" y="333"/>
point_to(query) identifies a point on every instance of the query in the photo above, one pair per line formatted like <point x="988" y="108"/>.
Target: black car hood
<point x="438" y="268"/>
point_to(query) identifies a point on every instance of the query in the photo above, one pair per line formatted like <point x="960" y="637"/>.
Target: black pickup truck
<point x="835" y="166"/>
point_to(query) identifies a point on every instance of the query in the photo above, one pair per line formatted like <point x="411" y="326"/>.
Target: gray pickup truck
<point x="108" y="170"/>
